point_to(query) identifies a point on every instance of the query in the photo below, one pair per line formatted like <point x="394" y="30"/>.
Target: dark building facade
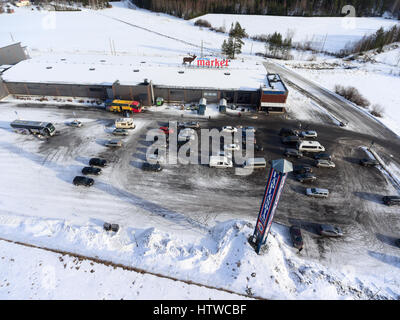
<point x="12" y="54"/>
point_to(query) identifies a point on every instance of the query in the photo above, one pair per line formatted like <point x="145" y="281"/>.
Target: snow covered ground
<point x="30" y="273"/>
<point x="39" y="205"/>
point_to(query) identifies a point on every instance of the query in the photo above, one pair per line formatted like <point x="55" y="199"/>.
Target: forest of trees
<point x="189" y="9"/>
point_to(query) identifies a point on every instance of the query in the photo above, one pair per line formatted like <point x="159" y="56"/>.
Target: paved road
<point x="358" y="120"/>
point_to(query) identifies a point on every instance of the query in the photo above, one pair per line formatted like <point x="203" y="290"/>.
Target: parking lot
<point x="196" y="195"/>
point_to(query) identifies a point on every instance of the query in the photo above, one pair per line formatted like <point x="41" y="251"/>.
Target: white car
<point x="309" y="134"/>
<point x="220" y="162"/>
<point x="76" y="123"/>
<point x="229" y="129"/>
<point x="325" y="164"/>
<point x="232" y="147"/>
<point x="317" y="192"/>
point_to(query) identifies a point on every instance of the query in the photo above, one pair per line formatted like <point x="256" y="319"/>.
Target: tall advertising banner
<point x="273" y="190"/>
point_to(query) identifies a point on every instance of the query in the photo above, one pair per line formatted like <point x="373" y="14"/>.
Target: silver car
<point x="76" y="123"/>
<point x="329" y="231"/>
<point x="309" y="134"/>
<point x="189" y="124"/>
<point x="120" y="132"/>
<point x="317" y="192"/>
<point x="113" y="143"/>
<point x="325" y="164"/>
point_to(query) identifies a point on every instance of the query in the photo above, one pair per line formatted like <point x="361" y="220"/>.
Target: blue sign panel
<point x="274" y="206"/>
<point x="269" y="204"/>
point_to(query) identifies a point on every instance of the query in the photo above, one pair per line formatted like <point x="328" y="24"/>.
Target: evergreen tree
<point x="236" y="34"/>
<point x="228" y="48"/>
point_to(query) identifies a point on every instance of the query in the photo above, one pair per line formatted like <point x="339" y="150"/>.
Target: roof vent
<point x="63" y="59"/>
<point x="180" y="71"/>
<point x="136" y="70"/>
<point x="227" y="73"/>
<point x="91" y="69"/>
<point x="143" y="62"/>
<point x="102" y="60"/>
<point x="49" y="67"/>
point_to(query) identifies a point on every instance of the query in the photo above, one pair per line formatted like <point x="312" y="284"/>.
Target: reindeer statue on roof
<point x="189" y="59"/>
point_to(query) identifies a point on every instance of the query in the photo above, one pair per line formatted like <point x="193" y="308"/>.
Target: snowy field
<point x="331" y="34"/>
<point x="39" y="204"/>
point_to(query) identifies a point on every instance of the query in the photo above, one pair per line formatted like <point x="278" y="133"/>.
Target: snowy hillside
<point x="329" y="34"/>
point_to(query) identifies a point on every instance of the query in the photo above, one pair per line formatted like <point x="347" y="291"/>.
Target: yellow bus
<point x="123" y="105"/>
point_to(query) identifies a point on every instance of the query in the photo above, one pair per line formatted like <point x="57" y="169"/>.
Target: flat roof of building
<point x="132" y="70"/>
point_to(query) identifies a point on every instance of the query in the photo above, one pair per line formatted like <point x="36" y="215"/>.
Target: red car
<point x="166" y="130"/>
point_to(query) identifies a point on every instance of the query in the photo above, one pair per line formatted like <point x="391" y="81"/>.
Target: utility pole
<point x="323" y="44"/>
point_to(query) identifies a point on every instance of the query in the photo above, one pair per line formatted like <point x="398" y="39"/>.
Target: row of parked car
<point x="95" y="164"/>
<point x="186" y="133"/>
<point x="94" y="168"/>
<point x="304" y="142"/>
<point x="224" y="158"/>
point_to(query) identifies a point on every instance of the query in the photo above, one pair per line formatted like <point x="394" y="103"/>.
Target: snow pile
<point x="222" y="258"/>
<point x="30" y="273"/>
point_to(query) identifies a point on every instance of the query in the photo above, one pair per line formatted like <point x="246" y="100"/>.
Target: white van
<point x="310" y="146"/>
<point x="124" y="123"/>
<point x="254" y="163"/>
<point x="220" y="162"/>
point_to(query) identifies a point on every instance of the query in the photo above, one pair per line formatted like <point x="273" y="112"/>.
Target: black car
<point x="291" y="140"/>
<point x="98" y="162"/>
<point x="151" y="167"/>
<point x="323" y="156"/>
<point x="293" y="153"/>
<point x="306" y="177"/>
<point x="302" y="169"/>
<point x="391" y="200"/>
<point x="288" y="132"/>
<point x="297" y="239"/>
<point x="368" y="162"/>
<point x="258" y="147"/>
<point x="91" y="170"/>
<point x="83" y="181"/>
